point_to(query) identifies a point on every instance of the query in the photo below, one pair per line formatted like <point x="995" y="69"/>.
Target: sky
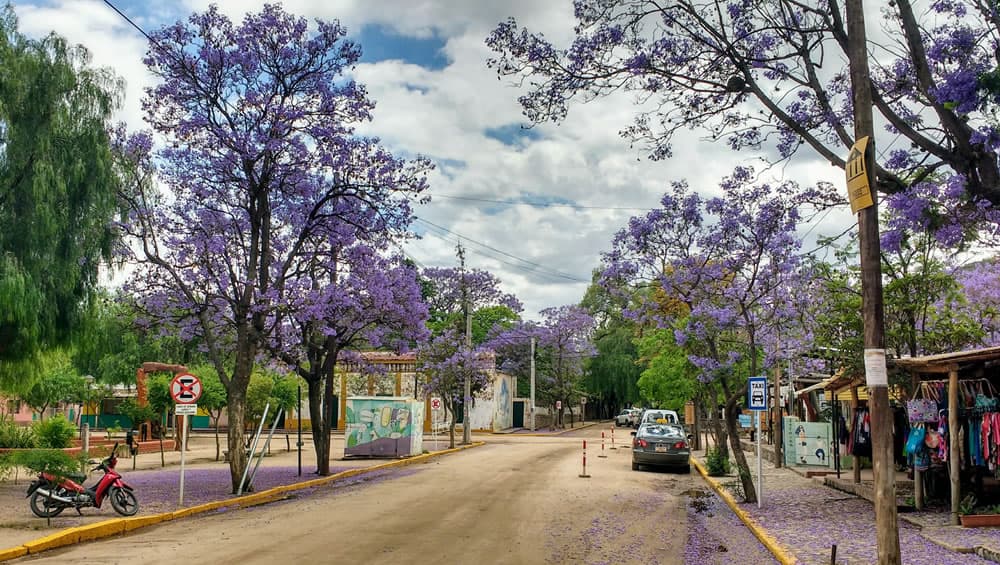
<point x="535" y="206"/>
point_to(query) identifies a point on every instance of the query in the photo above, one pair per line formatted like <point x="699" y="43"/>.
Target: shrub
<point x="56" y="433"/>
<point x="14" y="436"/>
<point x="52" y="461"/>
<point x="717" y="462"/>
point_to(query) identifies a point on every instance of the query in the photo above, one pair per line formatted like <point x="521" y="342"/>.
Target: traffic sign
<point x="185" y="409"/>
<point x="185" y="389"/>
<point x="757" y="394"/>
<point x="558" y="404"/>
<point x="435" y="403"/>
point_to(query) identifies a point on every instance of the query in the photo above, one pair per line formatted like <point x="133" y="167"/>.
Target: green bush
<point x="52" y="461"/>
<point x="14" y="436"/>
<point x="716" y="462"/>
<point x="56" y="433"/>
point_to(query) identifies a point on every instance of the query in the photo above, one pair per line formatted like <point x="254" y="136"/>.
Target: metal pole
<point x="253" y="448"/>
<point x="299" y="444"/>
<point x="760" y="467"/>
<point x="872" y="306"/>
<point x="184" y="443"/>
<point x="267" y="445"/>
<point x="532" y="383"/>
<point x="467" y="405"/>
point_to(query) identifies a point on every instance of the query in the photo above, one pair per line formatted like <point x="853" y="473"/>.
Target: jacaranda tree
<point x="344" y="298"/>
<point x="446" y="363"/>
<point x="773" y="76"/>
<point x="262" y="159"/>
<point x="726" y="266"/>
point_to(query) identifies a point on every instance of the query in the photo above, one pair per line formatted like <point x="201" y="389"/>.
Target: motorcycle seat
<point x="76" y="477"/>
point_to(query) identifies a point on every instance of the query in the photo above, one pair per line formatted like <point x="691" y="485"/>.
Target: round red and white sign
<point x="435" y="403"/>
<point x="185" y="389"/>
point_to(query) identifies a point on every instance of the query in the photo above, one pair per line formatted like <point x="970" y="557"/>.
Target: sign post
<point x="757" y="401"/>
<point x="185" y="389"/>
<point x="435" y="411"/>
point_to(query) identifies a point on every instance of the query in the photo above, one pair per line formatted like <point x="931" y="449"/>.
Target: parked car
<point x="661" y="445"/>
<point x="634" y="417"/>
<point x="659" y="416"/>
<point x="624" y="418"/>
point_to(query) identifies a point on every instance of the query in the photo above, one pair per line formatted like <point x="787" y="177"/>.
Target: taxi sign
<point x="757" y="393"/>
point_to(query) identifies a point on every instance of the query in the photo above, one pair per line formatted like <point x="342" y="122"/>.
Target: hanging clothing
<point x="862" y="434"/>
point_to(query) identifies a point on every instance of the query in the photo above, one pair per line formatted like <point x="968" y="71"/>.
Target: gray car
<point x="661" y="445"/>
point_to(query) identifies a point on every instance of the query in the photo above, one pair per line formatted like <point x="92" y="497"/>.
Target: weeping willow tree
<point x="57" y="190"/>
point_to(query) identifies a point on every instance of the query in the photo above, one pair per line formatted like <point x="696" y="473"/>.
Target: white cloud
<point x="444" y="114"/>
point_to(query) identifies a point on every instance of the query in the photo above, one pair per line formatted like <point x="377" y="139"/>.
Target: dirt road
<point x="515" y="500"/>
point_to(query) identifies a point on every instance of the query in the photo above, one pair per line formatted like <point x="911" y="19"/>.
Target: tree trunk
<point x="451" y="428"/>
<point x="236" y="411"/>
<point x="217" y="437"/>
<point x="743" y="468"/>
<point x="316" y="410"/>
<point x="327" y="425"/>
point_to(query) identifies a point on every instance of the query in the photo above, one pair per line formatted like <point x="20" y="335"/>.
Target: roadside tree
<point x="767" y="75"/>
<point x="57" y="190"/>
<point x="447" y="362"/>
<point x="264" y="162"/>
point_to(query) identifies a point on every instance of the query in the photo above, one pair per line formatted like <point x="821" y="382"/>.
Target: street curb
<point x="118" y="526"/>
<point x="782" y="554"/>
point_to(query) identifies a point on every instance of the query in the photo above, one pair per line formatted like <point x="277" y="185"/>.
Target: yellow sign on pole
<point x="858" y="190"/>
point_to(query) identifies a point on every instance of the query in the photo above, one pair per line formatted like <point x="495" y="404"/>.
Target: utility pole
<point x="860" y="175"/>
<point x="467" y="397"/>
<point x="532" y="383"/>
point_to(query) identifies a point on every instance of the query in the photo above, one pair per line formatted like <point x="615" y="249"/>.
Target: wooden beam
<point x="953" y="445"/>
<point x="855" y="463"/>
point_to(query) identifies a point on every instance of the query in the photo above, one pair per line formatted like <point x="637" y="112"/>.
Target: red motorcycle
<point x="50" y="496"/>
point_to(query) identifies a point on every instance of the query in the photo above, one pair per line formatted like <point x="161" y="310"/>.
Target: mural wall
<point x="503" y="402"/>
<point x="808" y="443"/>
<point x="383" y="426"/>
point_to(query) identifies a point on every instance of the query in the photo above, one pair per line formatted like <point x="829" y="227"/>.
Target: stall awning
<point x="946" y="362"/>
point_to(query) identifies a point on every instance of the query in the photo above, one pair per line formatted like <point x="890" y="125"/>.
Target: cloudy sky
<point x="534" y="206"/>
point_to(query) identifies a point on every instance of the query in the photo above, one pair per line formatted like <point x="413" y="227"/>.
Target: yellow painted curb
<point x="99" y="530"/>
<point x="68" y="536"/>
<point x="13" y="553"/>
<point x="780" y="552"/>
<point x="142" y="521"/>
<point x="117" y="526"/>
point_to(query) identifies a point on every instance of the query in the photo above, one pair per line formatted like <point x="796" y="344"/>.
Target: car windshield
<point x="662" y="431"/>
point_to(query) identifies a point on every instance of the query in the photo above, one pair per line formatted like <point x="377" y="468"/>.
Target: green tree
<point x="60" y="383"/>
<point x="669" y="379"/>
<point x="612" y="374"/>
<point x="57" y="189"/>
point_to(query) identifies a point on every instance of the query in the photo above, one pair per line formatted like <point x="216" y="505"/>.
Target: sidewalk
<point x="807" y="518"/>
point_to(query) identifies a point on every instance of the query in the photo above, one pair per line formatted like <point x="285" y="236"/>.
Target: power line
<point x="539" y="268"/>
<point x="129" y="20"/>
<point x="541" y="204"/>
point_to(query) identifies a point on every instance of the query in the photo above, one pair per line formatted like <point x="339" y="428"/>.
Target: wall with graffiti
<point x="503" y="402"/>
<point x="383" y="427"/>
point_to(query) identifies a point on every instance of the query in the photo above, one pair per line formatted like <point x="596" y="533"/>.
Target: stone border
<point x="780" y="552"/>
<point x="116" y="526"/>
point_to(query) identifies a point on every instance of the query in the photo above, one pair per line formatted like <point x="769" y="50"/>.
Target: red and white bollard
<point x="584" y="474"/>
<point x="613" y="437"/>
<point x="602" y="446"/>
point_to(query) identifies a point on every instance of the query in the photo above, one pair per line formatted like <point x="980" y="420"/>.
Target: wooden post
<point x="776" y="427"/>
<point x="342" y="417"/>
<point x="872" y="305"/>
<point x="855" y="464"/>
<point x="954" y="447"/>
<point x="918" y="489"/>
<point x="399" y="385"/>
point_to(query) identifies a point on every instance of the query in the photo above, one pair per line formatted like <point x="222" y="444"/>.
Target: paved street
<point x="517" y="499"/>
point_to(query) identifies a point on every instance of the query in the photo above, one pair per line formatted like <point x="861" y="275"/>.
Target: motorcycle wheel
<point x="42" y="507"/>
<point x="124" y="501"/>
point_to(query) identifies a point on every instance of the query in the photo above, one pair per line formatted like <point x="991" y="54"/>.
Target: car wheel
<point x="686" y="470"/>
